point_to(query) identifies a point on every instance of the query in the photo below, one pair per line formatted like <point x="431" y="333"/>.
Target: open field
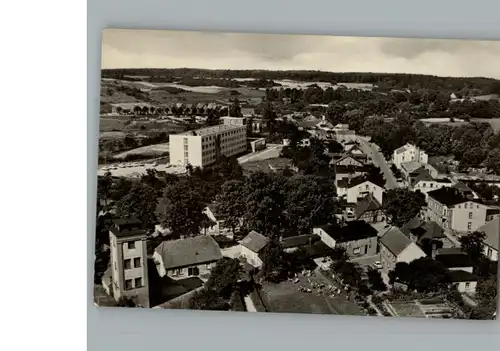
<point x="284" y="297"/>
<point x="150" y="150"/>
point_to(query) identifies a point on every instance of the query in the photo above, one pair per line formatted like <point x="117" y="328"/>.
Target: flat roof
<point x="211" y="130"/>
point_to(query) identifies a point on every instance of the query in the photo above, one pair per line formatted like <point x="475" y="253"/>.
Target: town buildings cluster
<point x="363" y="229"/>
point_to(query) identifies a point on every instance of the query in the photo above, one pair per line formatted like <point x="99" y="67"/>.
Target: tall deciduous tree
<point x="140" y="202"/>
<point x="401" y="205"/>
<point x="224" y="277"/>
<point x="231" y="203"/>
<point x="472" y="245"/>
<point x="182" y="208"/>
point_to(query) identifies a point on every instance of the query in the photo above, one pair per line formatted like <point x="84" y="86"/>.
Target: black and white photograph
<point x="299" y="174"/>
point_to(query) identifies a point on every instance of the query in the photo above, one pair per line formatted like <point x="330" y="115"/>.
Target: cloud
<point x="172" y="49"/>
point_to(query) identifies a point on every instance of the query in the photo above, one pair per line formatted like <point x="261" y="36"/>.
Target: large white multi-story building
<point x="202" y="147"/>
<point x="409" y="153"/>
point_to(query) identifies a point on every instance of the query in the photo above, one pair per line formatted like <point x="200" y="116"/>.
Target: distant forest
<point x="393" y="80"/>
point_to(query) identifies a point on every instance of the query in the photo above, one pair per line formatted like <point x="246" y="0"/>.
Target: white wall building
<point x="204" y="146"/>
<point x="353" y="190"/>
<point x="408" y="153"/>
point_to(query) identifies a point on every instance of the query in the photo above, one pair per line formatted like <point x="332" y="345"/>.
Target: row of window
<point x="127" y="263"/>
<point x="224" y="134"/>
<point x="471" y="205"/>
<point x="129" y="245"/>
<point x="137" y="283"/>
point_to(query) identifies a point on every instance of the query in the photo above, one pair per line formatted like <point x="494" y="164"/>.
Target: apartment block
<point x="203" y="147"/>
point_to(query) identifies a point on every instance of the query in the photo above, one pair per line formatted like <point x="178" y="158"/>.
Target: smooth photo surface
<point x="298" y="174"/>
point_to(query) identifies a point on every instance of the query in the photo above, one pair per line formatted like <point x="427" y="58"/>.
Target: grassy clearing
<point x="406" y="309"/>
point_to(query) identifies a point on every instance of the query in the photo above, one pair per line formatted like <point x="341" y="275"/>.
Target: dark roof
<point x="448" y="196"/>
<point x="492" y="231"/>
<point x="457" y="276"/>
<point x="454" y="260"/>
<point x="368" y="203"/>
<point x="299" y="240"/>
<point x="431" y="230"/>
<point x="449" y="251"/>
<point x="127" y="226"/>
<point x="349" y="183"/>
<point x="189" y="252"/>
<point x="412" y="224"/>
<point x="422" y="176"/>
<point x="350" y="231"/>
<point x="254" y="241"/>
<point x="318" y="249"/>
<point x="351" y="169"/>
<point x="462" y="187"/>
<point x="395" y="241"/>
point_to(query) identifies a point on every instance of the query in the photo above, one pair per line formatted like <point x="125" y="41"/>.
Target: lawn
<point x="284" y="297"/>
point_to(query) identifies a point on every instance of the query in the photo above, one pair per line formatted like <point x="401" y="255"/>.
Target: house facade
<point x="490" y="244"/>
<point x="355" y="189"/>
<point x="251" y="246"/>
<point x="408" y="153"/>
<point x="203" y="147"/>
<point x="369" y="209"/>
<point x="453" y="211"/>
<point x="424" y="186"/>
<point x="129" y="264"/>
<point x="396" y="247"/>
<point x="183" y="258"/>
<point x="358" y="238"/>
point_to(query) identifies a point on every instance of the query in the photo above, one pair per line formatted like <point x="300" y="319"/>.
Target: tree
<point x="492" y="161"/>
<point x="472" y="245"/>
<point x="224" y="277"/>
<point x="182" y="208"/>
<point x="230" y="203"/>
<point x="401" y="205"/>
<point x="151" y="178"/>
<point x="140" y="202"/>
<point x="422" y="275"/>
<point x="376" y="176"/>
<point x="334" y="146"/>
<point x="375" y="280"/>
<point x="274" y="263"/>
<point x="207" y="299"/>
<point x="104" y="187"/>
<point x="269" y="117"/>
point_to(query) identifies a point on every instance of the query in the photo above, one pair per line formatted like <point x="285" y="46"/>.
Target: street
<point x="379" y="160"/>
<point x="271" y="151"/>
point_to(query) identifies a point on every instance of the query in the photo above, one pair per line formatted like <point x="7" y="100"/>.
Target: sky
<point x="131" y="48"/>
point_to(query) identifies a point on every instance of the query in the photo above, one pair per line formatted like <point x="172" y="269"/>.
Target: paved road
<point x="379" y="160"/>
<point x="272" y="151"/>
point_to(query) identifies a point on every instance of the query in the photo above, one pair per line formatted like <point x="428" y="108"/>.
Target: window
<point x="465" y="205"/>
<point x="470" y="215"/>
<point x="490" y="252"/>
<point x="477" y="206"/>
<point x="131" y="245"/>
<point x="469" y="225"/>
<point x="138" y="282"/>
<point x="137" y="262"/>
<point x="128" y="284"/>
<point x="186" y="154"/>
<point x="128" y="264"/>
<point x="467" y="285"/>
<point x="193" y="271"/>
<point x="458" y="206"/>
<point x="115" y="266"/>
<point x="356" y="251"/>
<point x="431" y="185"/>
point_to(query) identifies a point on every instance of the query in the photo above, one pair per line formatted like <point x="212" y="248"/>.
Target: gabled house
<point x="425" y="183"/>
<point x="492" y="240"/>
<point x="456" y="262"/>
<point x="182" y="258"/>
<point x="426" y="233"/>
<point x="396" y="247"/>
<point x="408" y="153"/>
<point x="358" y="238"/>
<point x="349" y="171"/>
<point x="354" y="189"/>
<point x="293" y="243"/>
<point x="347" y="160"/>
<point x="251" y="246"/>
<point x="369" y="209"/>
<point x="465" y="282"/>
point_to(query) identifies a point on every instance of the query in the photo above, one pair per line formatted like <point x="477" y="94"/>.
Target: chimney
<point x="434" y="250"/>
